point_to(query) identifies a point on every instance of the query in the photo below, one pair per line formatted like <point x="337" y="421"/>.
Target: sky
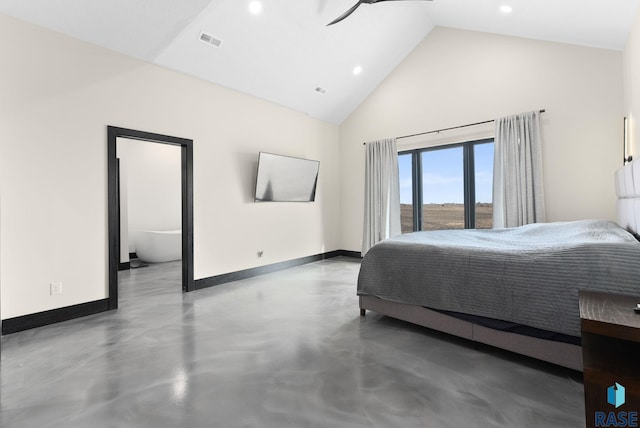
<point x="442" y="175"/>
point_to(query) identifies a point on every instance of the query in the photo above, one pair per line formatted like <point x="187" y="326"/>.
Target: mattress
<point x="528" y="275"/>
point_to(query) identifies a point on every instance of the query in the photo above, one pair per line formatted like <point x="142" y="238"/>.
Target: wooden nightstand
<point x="611" y="354"/>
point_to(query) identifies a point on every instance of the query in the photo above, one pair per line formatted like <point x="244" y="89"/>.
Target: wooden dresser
<point x="611" y="355"/>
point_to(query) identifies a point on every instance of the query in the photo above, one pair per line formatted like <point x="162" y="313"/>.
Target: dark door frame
<point x="113" y="133"/>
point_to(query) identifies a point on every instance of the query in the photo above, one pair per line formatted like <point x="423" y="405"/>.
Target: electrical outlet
<point x="56" y="288"/>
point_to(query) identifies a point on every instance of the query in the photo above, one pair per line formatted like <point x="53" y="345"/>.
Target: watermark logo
<point x="615" y="395"/>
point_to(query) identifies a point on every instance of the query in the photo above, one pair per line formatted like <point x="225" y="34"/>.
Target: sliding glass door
<point x="442" y="189"/>
<point x="447" y="187"/>
<point x="405" y="168"/>
<point x="483" y="170"/>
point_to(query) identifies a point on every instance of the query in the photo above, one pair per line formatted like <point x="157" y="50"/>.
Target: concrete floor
<point x="287" y="349"/>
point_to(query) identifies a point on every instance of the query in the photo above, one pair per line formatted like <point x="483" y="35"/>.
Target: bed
<point x="515" y="289"/>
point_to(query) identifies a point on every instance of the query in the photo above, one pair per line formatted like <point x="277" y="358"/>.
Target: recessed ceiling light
<point x="506" y="9"/>
<point x="255" y="7"/>
<point x="357" y="70"/>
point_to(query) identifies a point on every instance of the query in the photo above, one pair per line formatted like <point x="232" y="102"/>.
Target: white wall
<point x="456" y="77"/>
<point x="59" y="95"/>
<point x="632" y="86"/>
<point x="154" y="194"/>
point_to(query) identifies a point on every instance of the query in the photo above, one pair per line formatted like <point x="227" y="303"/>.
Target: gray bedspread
<point x="528" y="275"/>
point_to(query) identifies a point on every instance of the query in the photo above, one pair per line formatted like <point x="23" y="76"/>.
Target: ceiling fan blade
<point x="378" y="1"/>
<point x="353" y="9"/>
<point x="347" y="13"/>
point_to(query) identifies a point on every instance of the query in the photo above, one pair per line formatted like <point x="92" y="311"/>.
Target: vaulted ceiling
<point x="287" y="55"/>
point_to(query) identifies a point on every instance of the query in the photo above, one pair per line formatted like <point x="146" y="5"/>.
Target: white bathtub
<point x="155" y="246"/>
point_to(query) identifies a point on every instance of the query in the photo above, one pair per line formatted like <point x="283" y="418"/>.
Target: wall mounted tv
<point x="286" y="179"/>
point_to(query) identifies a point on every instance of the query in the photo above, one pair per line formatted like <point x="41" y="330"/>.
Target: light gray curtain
<point x="518" y="196"/>
<point x="382" y="193"/>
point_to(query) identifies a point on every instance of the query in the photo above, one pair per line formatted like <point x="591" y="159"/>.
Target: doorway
<point x="186" y="156"/>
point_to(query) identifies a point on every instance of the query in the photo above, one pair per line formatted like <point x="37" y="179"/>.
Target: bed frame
<point x="627" y="180"/>
<point x="562" y="354"/>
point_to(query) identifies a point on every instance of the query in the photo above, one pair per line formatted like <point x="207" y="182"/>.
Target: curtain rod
<point x="449" y="129"/>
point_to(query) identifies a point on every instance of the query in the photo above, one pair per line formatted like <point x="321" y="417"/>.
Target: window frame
<point x="469" y="179"/>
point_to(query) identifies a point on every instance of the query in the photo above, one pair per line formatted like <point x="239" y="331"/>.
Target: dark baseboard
<point x="26" y="322"/>
<point x="260" y="270"/>
<point x="124" y="266"/>
<point x="352" y="254"/>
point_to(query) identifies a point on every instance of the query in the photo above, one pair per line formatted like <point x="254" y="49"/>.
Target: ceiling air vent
<point x="321" y="90"/>
<point x="210" y="40"/>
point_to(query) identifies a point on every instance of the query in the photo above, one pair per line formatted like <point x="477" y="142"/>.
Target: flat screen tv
<point x="286" y="179"/>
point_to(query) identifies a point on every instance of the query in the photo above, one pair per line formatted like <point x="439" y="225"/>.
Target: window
<point x="448" y="187"/>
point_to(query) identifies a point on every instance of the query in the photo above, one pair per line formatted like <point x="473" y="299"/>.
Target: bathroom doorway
<point x="150" y="195"/>
<point x="186" y="184"/>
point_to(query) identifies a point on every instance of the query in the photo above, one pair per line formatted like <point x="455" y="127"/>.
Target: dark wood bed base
<point x="562" y="354"/>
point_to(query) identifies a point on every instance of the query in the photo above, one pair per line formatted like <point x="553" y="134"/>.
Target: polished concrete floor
<point x="287" y="349"/>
